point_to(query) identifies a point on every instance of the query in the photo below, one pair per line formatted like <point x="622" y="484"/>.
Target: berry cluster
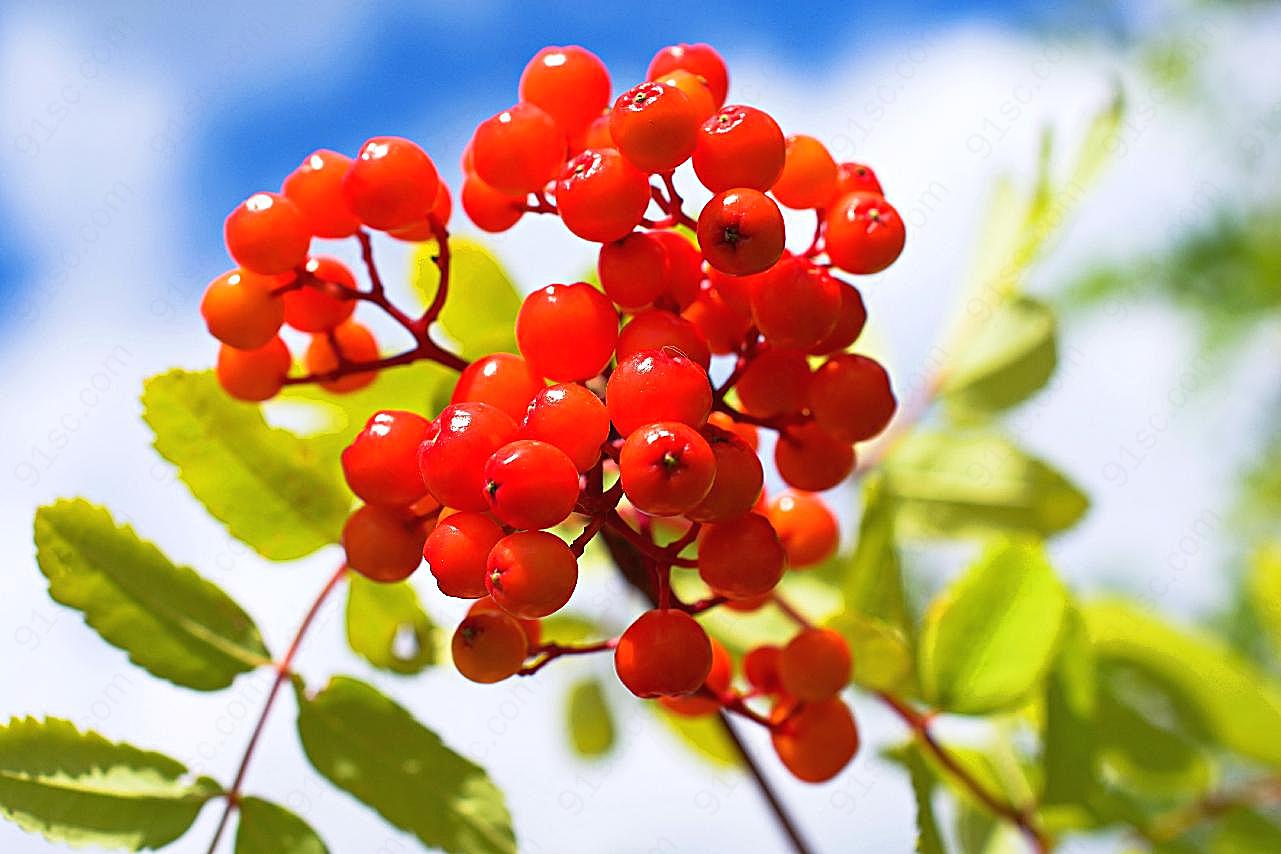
<point x="607" y="419"/>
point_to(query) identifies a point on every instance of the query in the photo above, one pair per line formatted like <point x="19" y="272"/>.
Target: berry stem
<point x="644" y="546"/>
<point x="816" y="245"/>
<point x="441" y="259"/>
<point x="283" y="672"/>
<point x="781" y="815"/>
<point x="790" y="610"/>
<point x="549" y="652"/>
<point x="542" y="206"/>
<point x="672" y="204"/>
<point x="777" y="424"/>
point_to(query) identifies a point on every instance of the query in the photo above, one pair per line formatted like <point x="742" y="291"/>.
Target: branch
<point x="615" y="523"/>
<point x="441" y="259"/>
<point x="1259" y="792"/>
<point x="781" y="815"/>
<point x="549" y="652"/>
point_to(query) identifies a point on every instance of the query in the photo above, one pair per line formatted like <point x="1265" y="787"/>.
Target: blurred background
<point x="128" y="131"/>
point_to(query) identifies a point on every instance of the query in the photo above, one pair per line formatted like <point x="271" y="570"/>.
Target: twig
<point x="781" y="815"/>
<point x="549" y="652"/>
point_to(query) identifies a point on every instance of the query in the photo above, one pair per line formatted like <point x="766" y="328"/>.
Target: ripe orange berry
<point x="815" y="665"/>
<point x="489" y="646"/>
<point x="253" y="375"/>
<point x="695" y="88"/>
<point x="487" y="208"/>
<point x="738" y="481"/>
<point x="383" y="544"/>
<point x="240" y="310"/>
<point x="809" y="458"/>
<point x="457" y="552"/>
<point x="699" y="59"/>
<point x="809" y="174"/>
<point x="814" y="740"/>
<point x="572" y="418"/>
<point x="856" y="178"/>
<point x="718" y="680"/>
<point x="531" y="574"/>
<point x="655" y="126"/>
<point x="746" y="432"/>
<point x="391" y="183"/>
<point x="632" y="270"/>
<point x="760" y="665"/>
<point x="849" y="322"/>
<point x="570" y="84"/>
<point x="381" y="463"/>
<point x="267" y="234"/>
<point x="601" y="197"/>
<point x="657" y="385"/>
<point x="657" y="329"/>
<point x="567" y="332"/>
<point x="421" y="230"/>
<point x="739" y="147"/>
<point x="597" y="134"/>
<point x="864" y="233"/>
<point x="356" y="343"/>
<point x="533" y="628"/>
<point x="774" y="383"/>
<point x="721" y="325"/>
<point x="519" y="150"/>
<point x="741" y="232"/>
<point x="452" y="461"/>
<point x="531" y="484"/>
<point x="663" y="653"/>
<point x="806" y="527"/>
<point x="797" y="306"/>
<point x="502" y="380"/>
<point x="667" y="468"/>
<point x="319" y="306"/>
<point x="684" y="267"/>
<point x="851" y="398"/>
<point x="740" y="558"/>
<point x="316" y="188"/>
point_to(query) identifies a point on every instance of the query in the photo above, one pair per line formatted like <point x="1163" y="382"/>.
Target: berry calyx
<point x="316" y="188"/>
<point x="856" y="178"/>
<point x="741" y="558"/>
<point x="663" y="653"/>
<point x="741" y="231"/>
<point x="383" y="544"/>
<point x="600" y="196"/>
<point x="241" y="310"/>
<point x="666" y="468"/>
<point x="381" y="463"/>
<point x="851" y="398"/>
<point x="806" y="527"/>
<point x="572" y="418"/>
<point x="452" y="460"/>
<point x="655" y="126"/>
<point x="815" y="665"/>
<point x="489" y="646"/>
<point x="267" y="234"/>
<point x="809" y="174"/>
<point x="657" y="385"/>
<point x="531" y="574"/>
<point x="253" y="375"/>
<point x="531" y="484"/>
<point x="391" y="183"/>
<point x="567" y="332"/>
<point x="457" y="553"/>
<point x="519" y="150"/>
<point x="699" y="59"/>
<point x="814" y="740"/>
<point x="739" y="147"/>
<point x="502" y="380"/>
<point x="864" y="233"/>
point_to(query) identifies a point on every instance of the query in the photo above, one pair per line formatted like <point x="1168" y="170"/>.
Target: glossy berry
<point x="570" y="84"/>
<point x="253" y="375"/>
<point x="740" y="558"/>
<point x="567" y="332"/>
<point x="739" y="147"/>
<point x="737" y="290"/>
<point x="806" y="527"/>
<point x="489" y="646"/>
<point x="797" y="306"/>
<point x="700" y="59"/>
<point x="666" y="468"/>
<point x="864" y="233"/>
<point x="746" y="432"/>
<point x="718" y="682"/>
<point x="774" y="383"/>
<point x="267" y="234"/>
<point x="486" y="605"/>
<point x="741" y="232"/>
<point x="457" y="553"/>
<point x="815" y="740"/>
<point x="601" y="197"/>
<point x="633" y="270"/>
<point x="809" y="458"/>
<point x="421" y="230"/>
<point x="721" y="325"/>
<point x="452" y="461"/>
<point x="850" y="320"/>
<point x="531" y="574"/>
<point x="572" y="418"/>
<point x="851" y="398"/>
<point x="240" y="309"/>
<point x="502" y="380"/>
<point x="382" y="544"/>
<point x="381" y="463"/>
<point x="809" y="174"/>
<point x="319" y="306"/>
<point x="738" y="481"/>
<point x="597" y="134"/>
<point x="684" y="267"/>
<point x="519" y="150"/>
<point x="856" y="178"/>
<point x="657" y="385"/>
<point x="531" y="484"/>
<point x="356" y="343"/>
<point x="760" y="666"/>
<point x="663" y="653"/>
<point x="696" y="90"/>
<point x="316" y="188"/>
<point x="655" y="126"/>
<point x="656" y="329"/>
<point x="489" y="209"/>
<point x="391" y="183"/>
<point x="815" y="665"/>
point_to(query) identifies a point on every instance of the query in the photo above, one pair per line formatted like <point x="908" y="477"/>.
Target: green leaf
<point x="705" y="734"/>
<point x="1013" y="358"/>
<point x="1226" y="698"/>
<point x="872" y="581"/>
<point x="80" y="789"/>
<point x="1265" y="591"/>
<point x="591" y="726"/>
<point x="1069" y="735"/>
<point x="480" y="313"/>
<point x="278" y="493"/>
<point x="267" y="828"/>
<point x="882" y="655"/>
<point x="167" y="618"/>
<point x="1245" y="831"/>
<point x="369" y="746"/>
<point x="1144" y="756"/>
<point x="566" y="627"/>
<point x="976" y="485"/>
<point x="989" y="639"/>
<point x="929" y="840"/>
<point x="387" y="626"/>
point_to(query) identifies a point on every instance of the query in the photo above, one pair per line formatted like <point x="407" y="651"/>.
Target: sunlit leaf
<point x="705" y="735"/>
<point x="872" y="581"/>
<point x="1070" y="729"/>
<point x="480" y="312"/>
<point x="387" y="626"/>
<point x="882" y="656"/>
<point x="1013" y="358"/>
<point x="929" y="840"/>
<point x="1245" y="831"/>
<point x="590" y="722"/>
<point x="1265" y="591"/>
<point x="1143" y="755"/>
<point x="267" y="828"/>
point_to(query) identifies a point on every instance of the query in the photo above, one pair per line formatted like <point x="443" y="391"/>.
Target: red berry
<point x="655" y="126"/>
<point x="850" y="321"/>
<point x="253" y="375"/>
<point x="741" y="558"/>
<point x="700" y="59"/>
<point x="489" y="209"/>
<point x="722" y="326"/>
<point x="684" y="267"/>
<point x="502" y="380"/>
<point x="851" y="398"/>
<point x="452" y="461"/>
<point x="381" y="463"/>
<point x="797" y="306"/>
<point x="601" y="197"/>
<point x="570" y="417"/>
<point x="737" y="290"/>
<point x="597" y="135"/>
<point x="267" y="234"/>
<point x="567" y="332"/>
<point x="570" y="84"/>
<point x="391" y="183"/>
<point x="383" y="544"/>
<point x="533" y="628"/>
<point x="746" y="432"/>
<point x="240" y="309"/>
<point x="760" y="665"/>
<point x="519" y="150"/>
<point x="457" y="553"/>
<point x="809" y="174"/>
<point x="666" y="468"/>
<point x="774" y="383"/>
<point x="318" y="306"/>
<point x="864" y="233"/>
<point x="489" y="646"/>
<point x="815" y="665"/>
<point x="718" y="681"/>
<point x="663" y="653"/>
<point x="815" y="740"/>
<point x="633" y="270"/>
<point x="738" y="482"/>
<point x="741" y="232"/>
<point x="656" y="329"/>
<point x="316" y="188"/>
<point x="421" y="230"/>
<point x="531" y="574"/>
<point x="809" y="458"/>
<point x="806" y="527"/>
<point x="856" y="178"/>
<point x="695" y="88"/>
<point x="356" y="343"/>
<point x="657" y="385"/>
<point x="739" y="147"/>
<point x="531" y="484"/>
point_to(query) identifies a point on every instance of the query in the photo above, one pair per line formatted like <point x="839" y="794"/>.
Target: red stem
<point x="549" y="652"/>
<point x="644" y="546"/>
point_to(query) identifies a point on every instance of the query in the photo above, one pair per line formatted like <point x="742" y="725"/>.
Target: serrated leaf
<point x="1070" y="730"/>
<point x="278" y="493"/>
<point x="80" y="789"/>
<point x="367" y="745"/>
<point x="989" y="638"/>
<point x="1265" y="591"/>
<point x="480" y="313"/>
<point x="923" y="779"/>
<point x="169" y="620"/>
<point x="947" y="485"/>
<point x="387" y="626"/>
<point x="704" y="734"/>
<point x="1221" y="695"/>
<point x="589" y="720"/>
<point x="267" y="828"/>
<point x="1013" y="358"/>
